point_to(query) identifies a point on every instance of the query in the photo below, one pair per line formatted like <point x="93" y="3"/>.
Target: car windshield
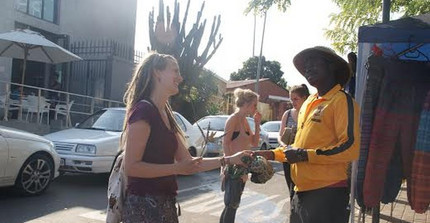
<point x="108" y="120"/>
<point x="271" y="126"/>
<point x="213" y="123"/>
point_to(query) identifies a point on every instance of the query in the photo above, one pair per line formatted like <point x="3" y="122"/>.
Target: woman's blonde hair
<point x="244" y="96"/>
<point x="141" y="85"/>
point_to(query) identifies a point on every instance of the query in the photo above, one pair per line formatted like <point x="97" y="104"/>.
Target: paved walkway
<point x="398" y="211"/>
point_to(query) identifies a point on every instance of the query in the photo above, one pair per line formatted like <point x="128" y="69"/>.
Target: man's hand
<point x="295" y="155"/>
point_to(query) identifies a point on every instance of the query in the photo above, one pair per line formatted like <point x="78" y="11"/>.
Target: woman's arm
<point x="282" y="128"/>
<point x="205" y="164"/>
<point x="137" y="138"/>
<point x="256" y="136"/>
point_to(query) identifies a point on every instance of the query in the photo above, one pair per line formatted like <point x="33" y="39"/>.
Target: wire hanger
<point x="413" y="52"/>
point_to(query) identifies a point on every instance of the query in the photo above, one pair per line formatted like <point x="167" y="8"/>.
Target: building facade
<point x="68" y="22"/>
<point x="273" y="99"/>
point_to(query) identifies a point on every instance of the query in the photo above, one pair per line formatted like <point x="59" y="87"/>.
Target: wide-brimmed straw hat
<point x="342" y="69"/>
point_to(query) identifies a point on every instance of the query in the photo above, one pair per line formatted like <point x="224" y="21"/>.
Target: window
<point x="35" y="8"/>
<point x="48" y="10"/>
<point x="21" y="5"/>
<point x="43" y="9"/>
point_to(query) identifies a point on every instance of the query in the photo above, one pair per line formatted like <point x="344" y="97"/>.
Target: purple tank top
<point x="160" y="149"/>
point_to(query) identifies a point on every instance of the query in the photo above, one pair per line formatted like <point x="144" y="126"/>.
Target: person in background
<point x="155" y="147"/>
<point x="352" y="61"/>
<point x="238" y="137"/>
<point x="15" y="94"/>
<point x="327" y="140"/>
<point x="54" y="85"/>
<point x="298" y="95"/>
<point x="53" y="96"/>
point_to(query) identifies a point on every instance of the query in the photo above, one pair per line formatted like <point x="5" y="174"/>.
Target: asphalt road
<point x="82" y="199"/>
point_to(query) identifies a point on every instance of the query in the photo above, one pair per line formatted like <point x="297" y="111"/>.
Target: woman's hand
<point x="257" y="118"/>
<point x="188" y="166"/>
<point x="238" y="157"/>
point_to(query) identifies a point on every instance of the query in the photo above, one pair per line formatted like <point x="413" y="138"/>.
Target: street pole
<point x="253" y="40"/>
<point x="261" y="53"/>
<point x="386" y="11"/>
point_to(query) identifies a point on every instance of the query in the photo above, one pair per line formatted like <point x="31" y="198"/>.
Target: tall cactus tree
<point x="168" y="35"/>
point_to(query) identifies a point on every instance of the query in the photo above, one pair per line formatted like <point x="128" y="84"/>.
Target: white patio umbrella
<point x="29" y="45"/>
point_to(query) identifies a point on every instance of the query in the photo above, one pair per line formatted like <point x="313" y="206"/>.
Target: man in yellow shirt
<point x="327" y="140"/>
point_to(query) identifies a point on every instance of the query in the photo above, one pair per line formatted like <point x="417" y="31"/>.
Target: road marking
<point x="195" y="199"/>
<point x="202" y="207"/>
<point x="99" y="215"/>
<point x="259" y="201"/>
<point x="256" y="207"/>
<point x="196" y="187"/>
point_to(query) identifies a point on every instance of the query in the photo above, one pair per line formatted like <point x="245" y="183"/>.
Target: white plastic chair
<point x="64" y="109"/>
<point x="39" y="107"/>
<point x="10" y="105"/>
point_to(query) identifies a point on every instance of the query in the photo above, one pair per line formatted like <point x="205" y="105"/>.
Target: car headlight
<point x="82" y="148"/>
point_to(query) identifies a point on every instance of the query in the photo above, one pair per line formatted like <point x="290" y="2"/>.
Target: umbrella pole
<point x="24" y="66"/>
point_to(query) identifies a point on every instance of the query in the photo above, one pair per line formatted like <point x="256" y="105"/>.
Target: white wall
<point x="96" y="19"/>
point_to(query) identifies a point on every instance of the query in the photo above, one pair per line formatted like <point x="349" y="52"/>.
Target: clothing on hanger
<point x="420" y="182"/>
<point x="402" y="92"/>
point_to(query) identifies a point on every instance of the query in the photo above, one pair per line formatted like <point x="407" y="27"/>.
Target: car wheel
<point x="263" y="146"/>
<point x="35" y="175"/>
<point x="192" y="151"/>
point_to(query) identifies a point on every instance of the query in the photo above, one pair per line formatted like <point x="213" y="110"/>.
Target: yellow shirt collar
<point x="329" y="95"/>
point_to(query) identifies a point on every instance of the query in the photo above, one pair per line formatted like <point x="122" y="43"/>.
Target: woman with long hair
<point x="298" y="95"/>
<point x="155" y="147"/>
<point x="238" y="137"/>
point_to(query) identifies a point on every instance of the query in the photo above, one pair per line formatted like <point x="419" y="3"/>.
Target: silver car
<point x="93" y="145"/>
<point x="272" y="128"/>
<point x="215" y="124"/>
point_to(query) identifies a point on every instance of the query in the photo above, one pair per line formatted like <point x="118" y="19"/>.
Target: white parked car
<point x="92" y="146"/>
<point x="216" y="123"/>
<point x="272" y="128"/>
<point x="27" y="161"/>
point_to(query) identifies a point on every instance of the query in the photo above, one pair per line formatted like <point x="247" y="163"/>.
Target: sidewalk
<point x="398" y="211"/>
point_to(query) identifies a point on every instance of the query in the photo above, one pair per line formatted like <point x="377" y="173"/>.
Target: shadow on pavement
<point x="65" y="192"/>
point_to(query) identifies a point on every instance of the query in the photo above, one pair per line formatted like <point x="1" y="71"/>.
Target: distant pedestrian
<point x="239" y="136"/>
<point x="53" y="95"/>
<point x="352" y="61"/>
<point x="155" y="147"/>
<point x="298" y="95"/>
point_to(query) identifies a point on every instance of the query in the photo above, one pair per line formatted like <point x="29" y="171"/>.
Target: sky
<point x="300" y="27"/>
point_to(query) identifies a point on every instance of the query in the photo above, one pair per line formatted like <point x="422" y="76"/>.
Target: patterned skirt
<point x="149" y="209"/>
